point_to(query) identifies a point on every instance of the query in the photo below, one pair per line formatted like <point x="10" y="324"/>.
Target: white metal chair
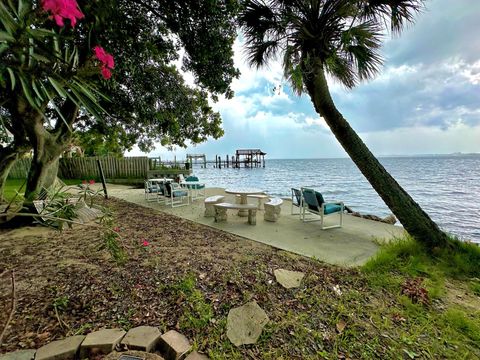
<point x="175" y="195"/>
<point x="297" y="201"/>
<point x="314" y="203"/>
<point x="152" y="190"/>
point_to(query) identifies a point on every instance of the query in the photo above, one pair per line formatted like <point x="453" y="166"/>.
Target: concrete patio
<point x="351" y="245"/>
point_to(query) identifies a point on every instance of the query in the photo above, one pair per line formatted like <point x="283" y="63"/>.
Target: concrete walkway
<point x="350" y="245"/>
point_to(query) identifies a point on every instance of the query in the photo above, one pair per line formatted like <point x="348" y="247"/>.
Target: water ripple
<point x="448" y="188"/>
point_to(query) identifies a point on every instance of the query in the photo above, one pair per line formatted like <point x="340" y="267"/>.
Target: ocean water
<point x="447" y="187"/>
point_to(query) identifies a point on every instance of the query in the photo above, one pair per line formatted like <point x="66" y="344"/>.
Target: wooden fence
<point x="87" y="168"/>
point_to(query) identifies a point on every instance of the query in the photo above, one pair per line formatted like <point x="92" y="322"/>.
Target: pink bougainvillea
<point x="106" y="61"/>
<point x="145" y="243"/>
<point x="91" y="182"/>
<point x="63" y="9"/>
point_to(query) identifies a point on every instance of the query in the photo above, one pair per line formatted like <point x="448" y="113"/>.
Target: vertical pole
<point x="227" y="161"/>
<point x="102" y="177"/>
<point x="219" y="162"/>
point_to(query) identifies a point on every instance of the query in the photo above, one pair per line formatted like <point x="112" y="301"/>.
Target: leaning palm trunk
<point x="413" y="218"/>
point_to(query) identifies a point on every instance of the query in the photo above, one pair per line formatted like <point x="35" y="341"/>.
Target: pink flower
<point x="145" y="243"/>
<point x="106" y="73"/>
<point x="63" y="9"/>
<point x="106" y="60"/>
<point x="91" y="182"/>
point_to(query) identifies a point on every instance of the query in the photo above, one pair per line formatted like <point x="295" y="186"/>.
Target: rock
<point x="143" y="338"/>
<point x="196" y="356"/>
<point x="174" y="345"/>
<point x="101" y="342"/>
<point x="288" y="279"/>
<point x="390" y="219"/>
<point x="245" y="323"/>
<point x="372" y="217"/>
<point x="116" y="355"/>
<point x="19" y="355"/>
<point x="60" y="349"/>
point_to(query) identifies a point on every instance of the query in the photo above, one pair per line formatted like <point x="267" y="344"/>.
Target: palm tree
<point x="340" y="38"/>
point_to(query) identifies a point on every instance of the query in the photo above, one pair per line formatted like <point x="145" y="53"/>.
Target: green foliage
<point x="112" y="245"/>
<point x="58" y="209"/>
<point x="197" y="312"/>
<point x="60" y="303"/>
<point x="407" y="257"/>
<point x="475" y="287"/>
<point x="462" y="323"/>
<point x="40" y="63"/>
<point x="49" y="76"/>
<point x="13" y="190"/>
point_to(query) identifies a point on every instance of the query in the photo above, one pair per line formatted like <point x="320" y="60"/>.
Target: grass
<point x="12" y="186"/>
<point x="450" y="324"/>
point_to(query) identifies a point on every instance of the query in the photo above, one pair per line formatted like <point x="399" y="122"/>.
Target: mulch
<point x="67" y="282"/>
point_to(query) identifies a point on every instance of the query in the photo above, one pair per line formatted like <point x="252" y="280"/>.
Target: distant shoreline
<point x="469" y="155"/>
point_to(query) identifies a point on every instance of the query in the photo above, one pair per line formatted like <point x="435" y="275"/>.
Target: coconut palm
<point x="341" y="39"/>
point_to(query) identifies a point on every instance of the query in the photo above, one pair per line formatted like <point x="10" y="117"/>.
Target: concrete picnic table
<point x="243" y="192"/>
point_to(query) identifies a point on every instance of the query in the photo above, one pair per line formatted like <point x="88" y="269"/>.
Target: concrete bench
<point x="273" y="207"/>
<point x="260" y="198"/>
<point x="221" y="211"/>
<point x="209" y="202"/>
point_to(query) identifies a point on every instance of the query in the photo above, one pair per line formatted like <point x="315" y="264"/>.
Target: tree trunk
<point x="410" y="214"/>
<point x="48" y="146"/>
<point x="44" y="167"/>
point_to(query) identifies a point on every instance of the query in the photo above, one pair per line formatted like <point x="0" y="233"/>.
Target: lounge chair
<point x="314" y="203"/>
<point x="297" y="201"/>
<point x="175" y="195"/>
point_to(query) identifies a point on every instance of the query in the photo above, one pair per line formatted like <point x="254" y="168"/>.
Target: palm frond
<point x="397" y="12"/>
<point x="360" y="45"/>
<point x="341" y="69"/>
<point x="262" y="30"/>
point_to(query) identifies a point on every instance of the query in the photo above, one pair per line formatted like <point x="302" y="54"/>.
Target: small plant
<point x="413" y="289"/>
<point x="111" y="244"/>
<point x="87" y="193"/>
<point x="198" y="312"/>
<point x="60" y="304"/>
<point x="124" y="320"/>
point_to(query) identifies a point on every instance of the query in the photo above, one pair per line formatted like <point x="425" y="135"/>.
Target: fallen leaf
<point x="341" y="326"/>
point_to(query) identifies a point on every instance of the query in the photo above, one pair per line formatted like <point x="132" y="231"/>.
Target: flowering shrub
<point x="106" y="61"/>
<point x="63" y="9"/>
<point x="68" y="9"/>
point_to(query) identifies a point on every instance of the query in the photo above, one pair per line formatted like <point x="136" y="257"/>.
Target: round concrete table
<point x="243" y="192"/>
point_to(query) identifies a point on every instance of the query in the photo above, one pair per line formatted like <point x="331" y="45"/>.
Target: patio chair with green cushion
<point x="196" y="189"/>
<point x="314" y="203"/>
<point x="297" y="201"/>
<point x="152" y="190"/>
<point x="175" y="194"/>
<point x="194" y="186"/>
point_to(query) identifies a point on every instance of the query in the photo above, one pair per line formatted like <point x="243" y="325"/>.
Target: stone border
<point x="172" y="345"/>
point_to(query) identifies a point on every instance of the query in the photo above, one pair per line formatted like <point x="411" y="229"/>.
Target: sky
<point x="426" y="100"/>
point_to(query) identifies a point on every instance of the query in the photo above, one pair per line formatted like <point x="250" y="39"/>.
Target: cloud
<point x="426" y="99"/>
<point x="414" y="95"/>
